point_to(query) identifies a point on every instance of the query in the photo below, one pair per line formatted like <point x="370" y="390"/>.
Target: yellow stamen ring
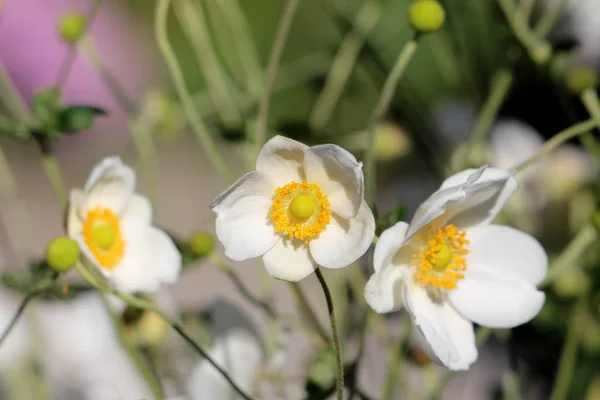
<point x="102" y="235"/>
<point x="300" y="210"/>
<point x="441" y="261"/>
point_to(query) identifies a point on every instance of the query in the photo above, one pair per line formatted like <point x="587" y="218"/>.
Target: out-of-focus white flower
<point x="302" y="207"/>
<point x="113" y="226"/>
<point x="451" y="267"/>
<point x="82" y="353"/>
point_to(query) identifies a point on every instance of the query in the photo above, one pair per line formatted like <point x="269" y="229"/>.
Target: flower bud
<point x="71" y="26"/>
<point x="62" y="253"/>
<point x="391" y="142"/>
<point x="578" y="79"/>
<point x="201" y="244"/>
<point x="426" y="16"/>
<point x="151" y="330"/>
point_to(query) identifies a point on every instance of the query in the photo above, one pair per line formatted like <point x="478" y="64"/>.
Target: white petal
<point x="496" y="299"/>
<point x="462" y="178"/>
<point x="139" y="208"/>
<point x="74" y="222"/>
<point x="388" y="244"/>
<point x="383" y="291"/>
<point x="282" y="159"/>
<point x="339" y="175"/>
<point x="243" y="224"/>
<point x="502" y="248"/>
<point x="163" y="260"/>
<point x="450" y="336"/>
<point x="289" y="260"/>
<point x="110" y="185"/>
<point x="344" y="241"/>
<point x="513" y="142"/>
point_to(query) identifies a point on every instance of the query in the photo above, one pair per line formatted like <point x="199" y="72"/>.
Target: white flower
<point x="301" y="207"/>
<point x="113" y="226"/>
<point x="451" y="267"/>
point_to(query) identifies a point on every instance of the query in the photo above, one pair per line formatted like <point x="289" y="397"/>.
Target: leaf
<point x="77" y="118"/>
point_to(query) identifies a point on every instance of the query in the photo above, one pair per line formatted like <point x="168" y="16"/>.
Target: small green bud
<point x="578" y="79"/>
<point x="77" y="118"/>
<point x="596" y="220"/>
<point x="201" y="244"/>
<point x="71" y="26"/>
<point x="62" y="253"/>
<point x="426" y="16"/>
<point x="542" y="53"/>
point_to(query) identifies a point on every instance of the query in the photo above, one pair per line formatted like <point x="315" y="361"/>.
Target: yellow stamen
<point x="441" y="261"/>
<point x="300" y="210"/>
<point x="102" y="235"/>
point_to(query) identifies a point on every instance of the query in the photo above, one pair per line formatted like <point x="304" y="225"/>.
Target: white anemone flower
<point x="113" y="226"/>
<point x="451" y="267"/>
<point x="302" y="207"/>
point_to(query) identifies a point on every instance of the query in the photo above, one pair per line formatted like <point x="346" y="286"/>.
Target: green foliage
<point x="74" y="119"/>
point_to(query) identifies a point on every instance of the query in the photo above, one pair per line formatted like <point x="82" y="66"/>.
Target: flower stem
<point x="549" y="19"/>
<point x="146" y="305"/>
<point x="568" y="357"/>
<point x="336" y="339"/>
<point x="590" y="99"/>
<point x="200" y="130"/>
<point x="283" y="30"/>
<point x="381" y="108"/>
<point x="500" y="85"/>
<point x="308" y="312"/>
<point x="52" y="171"/>
<point x="557" y="140"/>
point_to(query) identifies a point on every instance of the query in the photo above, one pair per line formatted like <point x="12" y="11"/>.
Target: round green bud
<point x="62" y="253"/>
<point x="201" y="244"/>
<point x="578" y="79"/>
<point x="426" y="16"/>
<point x="71" y="26"/>
<point x="542" y="53"/>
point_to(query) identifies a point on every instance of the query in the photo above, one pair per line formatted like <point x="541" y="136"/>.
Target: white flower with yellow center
<point x="451" y="267"/>
<point x="302" y="207"/>
<point x="113" y="226"/>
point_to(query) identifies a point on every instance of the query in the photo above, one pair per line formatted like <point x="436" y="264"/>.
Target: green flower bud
<point x="62" y="253"/>
<point x="201" y="244"/>
<point x="578" y="79"/>
<point x="426" y="16"/>
<point x="542" y="53"/>
<point x="71" y="26"/>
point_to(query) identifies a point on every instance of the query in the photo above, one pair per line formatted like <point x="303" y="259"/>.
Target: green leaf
<point x="77" y="118"/>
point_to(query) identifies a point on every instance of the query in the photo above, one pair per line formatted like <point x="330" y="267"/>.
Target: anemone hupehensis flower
<point x="451" y="267"/>
<point x="302" y="207"/>
<point x="113" y="226"/>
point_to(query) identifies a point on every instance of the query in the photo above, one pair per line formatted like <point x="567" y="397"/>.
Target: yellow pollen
<point x="441" y="261"/>
<point x="102" y="235"/>
<point x="300" y="210"/>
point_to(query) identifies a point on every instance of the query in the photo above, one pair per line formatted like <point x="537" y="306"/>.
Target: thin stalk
<point x="200" y="130"/>
<point x="10" y="96"/>
<point x="550" y="18"/>
<point x="336" y="340"/>
<point x="308" y="312"/>
<point x="343" y="64"/>
<point x="537" y="48"/>
<point x="52" y="171"/>
<point x="381" y="108"/>
<point x="500" y="85"/>
<point x="146" y="305"/>
<point x="590" y="99"/>
<point x="568" y="357"/>
<point x="285" y="23"/>
<point x="557" y="140"/>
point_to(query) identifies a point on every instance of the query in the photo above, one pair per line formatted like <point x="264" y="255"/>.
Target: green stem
<point x="146" y="305"/>
<point x="586" y="237"/>
<point x="500" y="85"/>
<point x="200" y="130"/>
<point x="193" y="21"/>
<point x="308" y="311"/>
<point x="568" y="357"/>
<point x="336" y="339"/>
<point x="557" y="140"/>
<point x="550" y="18"/>
<point x="395" y="362"/>
<point x="343" y="64"/>
<point x="10" y="96"/>
<point x="511" y="386"/>
<point x="590" y="99"/>
<point x="381" y="108"/>
<point x="52" y="171"/>
<point x="285" y="23"/>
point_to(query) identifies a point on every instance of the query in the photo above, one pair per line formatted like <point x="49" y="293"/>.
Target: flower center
<point x="300" y="210"/>
<point x="441" y="261"/>
<point x="102" y="235"/>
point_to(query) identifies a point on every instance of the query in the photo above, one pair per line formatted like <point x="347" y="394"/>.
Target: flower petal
<point x="74" y="222"/>
<point x="243" y="224"/>
<point x="502" y="248"/>
<point x="450" y="336"/>
<point x="282" y="159"/>
<point x="344" y="241"/>
<point x="339" y="175"/>
<point x="388" y="244"/>
<point x="289" y="260"/>
<point x="495" y="298"/>
<point x="111" y="184"/>
<point x="163" y="260"/>
<point x="139" y="208"/>
<point x="383" y="291"/>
